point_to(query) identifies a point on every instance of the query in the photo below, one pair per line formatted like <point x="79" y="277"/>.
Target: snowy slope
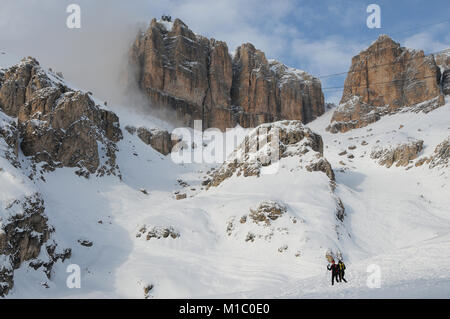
<point x="204" y="260"/>
<point x="396" y="218"/>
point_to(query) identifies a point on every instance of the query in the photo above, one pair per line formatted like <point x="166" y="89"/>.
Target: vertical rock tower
<point x="197" y="78"/>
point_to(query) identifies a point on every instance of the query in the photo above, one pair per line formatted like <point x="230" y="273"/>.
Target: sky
<point x="319" y="37"/>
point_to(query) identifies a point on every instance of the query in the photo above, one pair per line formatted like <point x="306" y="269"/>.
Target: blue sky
<point x="317" y="36"/>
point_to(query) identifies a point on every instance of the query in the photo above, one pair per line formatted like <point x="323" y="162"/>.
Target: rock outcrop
<point x="58" y="125"/>
<point x="354" y="114"/>
<point x="401" y="154"/>
<point x="267" y="144"/>
<point x="159" y="140"/>
<point x="443" y="61"/>
<point x="24" y="235"/>
<point x="273" y="90"/>
<point x="197" y="78"/>
<point x="267" y="211"/>
<point x="384" y="79"/>
<point x="446" y="82"/>
<point x="157" y="232"/>
<point x="21" y="236"/>
<point x="440" y="157"/>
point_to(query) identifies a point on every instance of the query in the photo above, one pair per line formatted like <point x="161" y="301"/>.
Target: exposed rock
<point x="446" y="82"/>
<point x="22" y="237"/>
<point x="387" y="74"/>
<point x="182" y="183"/>
<point x="401" y="154"/>
<point x="283" y="248"/>
<point x="206" y="182"/>
<point x="321" y="165"/>
<point x="10" y="135"/>
<point x="340" y="209"/>
<point x="160" y="140"/>
<point x="196" y="77"/>
<point x="443" y="61"/>
<point x="266" y="212"/>
<point x="384" y="79"/>
<point x="53" y="257"/>
<point x="354" y="114"/>
<point x="268" y="143"/>
<point x="180" y="196"/>
<point x="85" y="242"/>
<point x="250" y="237"/>
<point x="131" y="129"/>
<point x="57" y="125"/>
<point x="158" y="232"/>
<point x="441" y="156"/>
<point x="19" y="83"/>
<point x="272" y="90"/>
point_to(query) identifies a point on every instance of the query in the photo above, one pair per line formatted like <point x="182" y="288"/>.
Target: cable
<point x="376" y="83"/>
<point x="376" y="66"/>
<point x="396" y="32"/>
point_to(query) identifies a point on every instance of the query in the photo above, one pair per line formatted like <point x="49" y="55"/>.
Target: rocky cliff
<point x="384" y="79"/>
<point x="23" y="234"/>
<point x="268" y="144"/>
<point x="56" y="125"/>
<point x="443" y="61"/>
<point x="197" y="78"/>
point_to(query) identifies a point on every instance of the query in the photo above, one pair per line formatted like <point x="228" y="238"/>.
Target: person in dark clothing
<point x="341" y="269"/>
<point x="334" y="272"/>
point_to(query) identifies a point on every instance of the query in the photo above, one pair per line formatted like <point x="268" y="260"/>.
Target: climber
<point x="334" y="272"/>
<point x="341" y="269"/>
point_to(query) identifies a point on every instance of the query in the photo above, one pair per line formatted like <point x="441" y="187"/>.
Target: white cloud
<point x="426" y="41"/>
<point x="92" y="57"/>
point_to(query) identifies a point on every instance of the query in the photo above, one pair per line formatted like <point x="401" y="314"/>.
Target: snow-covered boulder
<point x="440" y="157"/>
<point x="401" y="154"/>
<point x="268" y="144"/>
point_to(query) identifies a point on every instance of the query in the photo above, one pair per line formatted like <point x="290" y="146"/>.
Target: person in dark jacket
<point x="334" y="272"/>
<point x="341" y="270"/>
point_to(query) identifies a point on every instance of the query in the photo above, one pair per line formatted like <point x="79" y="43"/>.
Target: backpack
<point x="341" y="266"/>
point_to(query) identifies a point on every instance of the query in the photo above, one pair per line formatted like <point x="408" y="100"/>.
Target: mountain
<point x="443" y="62"/>
<point x="96" y="186"/>
<point x="197" y="79"/>
<point x="384" y="79"/>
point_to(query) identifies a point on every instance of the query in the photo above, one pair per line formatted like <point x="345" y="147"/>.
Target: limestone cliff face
<point x="272" y="89"/>
<point x="386" y="78"/>
<point x="387" y="74"/>
<point x="443" y="61"/>
<point x="55" y="124"/>
<point x="22" y="238"/>
<point x="197" y="78"/>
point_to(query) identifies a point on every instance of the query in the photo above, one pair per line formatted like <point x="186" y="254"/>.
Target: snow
<point x="395" y="218"/>
<point x="168" y="25"/>
<point x="288" y="73"/>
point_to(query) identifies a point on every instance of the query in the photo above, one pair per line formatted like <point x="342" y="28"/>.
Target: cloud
<point x="93" y="56"/>
<point x="427" y="41"/>
<point x="319" y="37"/>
